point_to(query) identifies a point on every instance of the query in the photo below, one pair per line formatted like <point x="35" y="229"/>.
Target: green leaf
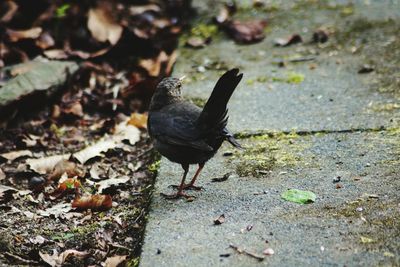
<point x="62" y="10"/>
<point x="299" y="196"/>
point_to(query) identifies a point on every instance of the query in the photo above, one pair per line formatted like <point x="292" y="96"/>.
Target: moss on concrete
<point x="269" y="151"/>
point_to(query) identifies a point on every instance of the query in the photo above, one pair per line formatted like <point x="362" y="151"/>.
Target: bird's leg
<point x="180" y="187"/>
<point x="191" y="184"/>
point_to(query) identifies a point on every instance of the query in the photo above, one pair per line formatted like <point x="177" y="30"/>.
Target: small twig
<point x="115" y="245"/>
<point x="302" y="59"/>
<point x="248" y="253"/>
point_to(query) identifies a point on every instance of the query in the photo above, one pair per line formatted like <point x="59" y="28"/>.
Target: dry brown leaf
<point x="292" y="39"/>
<point x="197" y="42"/>
<point x="74" y="109"/>
<point x="4" y="189"/>
<point x="11" y="10"/>
<point x="220" y="220"/>
<point x="2" y="175"/>
<point x="13" y="155"/>
<point x="71" y="184"/>
<point x="138" y="120"/>
<point x="93" y="202"/>
<point x="45" y="40"/>
<point x="268" y="251"/>
<point x="320" y="36"/>
<point x="46" y="164"/>
<point x="114" y="261"/>
<point x="65" y="166"/>
<point x="153" y="65"/>
<point x="104" y="184"/>
<point x="55" y="54"/>
<point x="57" y="260"/>
<point x="137" y="10"/>
<point x="30" y="140"/>
<point x="15" y="36"/>
<point x="102" y="25"/>
<point x="56" y="210"/>
<point x="246" y="32"/>
<point x="123" y="131"/>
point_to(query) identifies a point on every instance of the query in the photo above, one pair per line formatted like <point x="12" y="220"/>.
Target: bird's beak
<point x="182" y="78"/>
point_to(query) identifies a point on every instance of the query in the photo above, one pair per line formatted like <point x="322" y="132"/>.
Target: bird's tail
<point x="214" y="114"/>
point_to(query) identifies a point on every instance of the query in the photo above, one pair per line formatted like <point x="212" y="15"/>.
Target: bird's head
<point x="170" y="87"/>
<point x="167" y="92"/>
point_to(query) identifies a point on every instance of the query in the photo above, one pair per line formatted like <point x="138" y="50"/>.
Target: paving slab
<point x="349" y="130"/>
<point x="329" y="232"/>
<point x="333" y="96"/>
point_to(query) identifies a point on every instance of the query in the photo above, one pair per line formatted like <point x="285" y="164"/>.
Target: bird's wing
<point x="176" y="125"/>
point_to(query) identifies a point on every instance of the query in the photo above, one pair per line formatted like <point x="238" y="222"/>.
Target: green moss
<point x="293" y="77"/>
<point x="204" y="30"/>
<point x="290" y="77"/>
<point x="387" y="107"/>
<point x="153" y="168"/>
<point x="250" y="81"/>
<point x="134" y="262"/>
<point x="200" y="30"/>
<point x="267" y="152"/>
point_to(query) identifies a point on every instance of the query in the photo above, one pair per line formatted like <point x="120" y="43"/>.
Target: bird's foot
<point x="187" y="187"/>
<point x="178" y="195"/>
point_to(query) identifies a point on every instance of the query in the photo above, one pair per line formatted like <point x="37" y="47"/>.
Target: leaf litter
<point x="84" y="153"/>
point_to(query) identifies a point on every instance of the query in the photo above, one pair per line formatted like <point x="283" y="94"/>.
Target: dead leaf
<point x="123" y="131"/>
<point x="293" y="39"/>
<point x="102" y="25"/>
<point x="114" y="261"/>
<point x="197" y="42"/>
<point x="366" y="69"/>
<point x="110" y="182"/>
<point x="11" y="10"/>
<point x="93" y="202"/>
<point x="153" y="65"/>
<point x="320" y="36"/>
<point x="65" y="166"/>
<point x="56" y="210"/>
<point x="6" y="189"/>
<point x="74" y="108"/>
<point x="55" y="54"/>
<point x="70" y="184"/>
<point x="45" y="41"/>
<point x="220" y="220"/>
<point x="226" y="12"/>
<point x="246" y="32"/>
<point x="57" y="260"/>
<point x="136" y="10"/>
<point x="46" y="164"/>
<point x="2" y="175"/>
<point x="268" y="251"/>
<point x="30" y="140"/>
<point x="38" y="240"/>
<point x="15" y="36"/>
<point x="13" y="155"/>
<point x="94" y="171"/>
<point x="138" y="120"/>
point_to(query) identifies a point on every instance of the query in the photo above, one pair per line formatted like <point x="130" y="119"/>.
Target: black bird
<point x="187" y="134"/>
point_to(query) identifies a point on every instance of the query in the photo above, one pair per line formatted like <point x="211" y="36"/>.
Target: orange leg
<point x="181" y="187"/>
<point x="191" y="186"/>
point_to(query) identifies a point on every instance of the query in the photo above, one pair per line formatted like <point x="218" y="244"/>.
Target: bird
<point x="186" y="134"/>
